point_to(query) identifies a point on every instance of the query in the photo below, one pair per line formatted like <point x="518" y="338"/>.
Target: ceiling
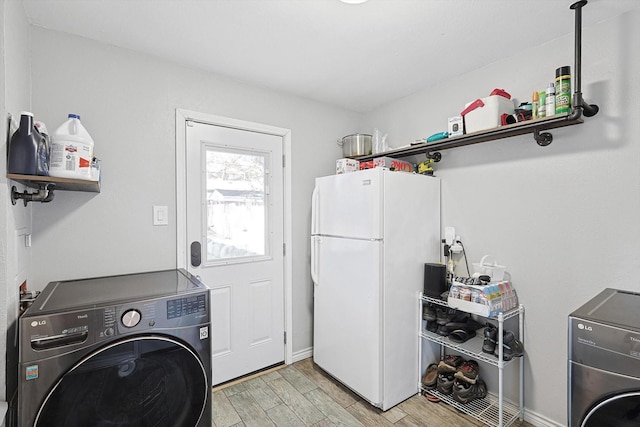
<point x="354" y="56"/>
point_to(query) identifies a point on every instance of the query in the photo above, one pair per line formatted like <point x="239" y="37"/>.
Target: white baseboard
<point x="539" y="420"/>
<point x="302" y="354"/>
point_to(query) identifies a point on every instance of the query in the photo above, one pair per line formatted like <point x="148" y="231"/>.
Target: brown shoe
<point x="468" y="371"/>
<point x="450" y="363"/>
<point x="430" y="378"/>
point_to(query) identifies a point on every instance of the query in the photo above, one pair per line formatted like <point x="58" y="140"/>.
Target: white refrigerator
<point x="371" y="233"/>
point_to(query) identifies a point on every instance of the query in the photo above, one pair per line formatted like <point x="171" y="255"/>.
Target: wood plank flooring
<point x="302" y="394"/>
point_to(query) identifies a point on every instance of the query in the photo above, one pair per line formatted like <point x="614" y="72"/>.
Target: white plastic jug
<point x="71" y="150"/>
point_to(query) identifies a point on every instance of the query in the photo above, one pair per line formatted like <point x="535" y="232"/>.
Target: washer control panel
<point x="158" y="314"/>
<point x="131" y="318"/>
<point x="187" y="305"/>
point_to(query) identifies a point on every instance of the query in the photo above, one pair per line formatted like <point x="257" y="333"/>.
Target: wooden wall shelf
<point x="68" y="184"/>
<point x="46" y="186"/>
<point x="537" y="127"/>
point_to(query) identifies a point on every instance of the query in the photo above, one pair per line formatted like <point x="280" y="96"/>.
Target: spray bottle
<point x="551" y="100"/>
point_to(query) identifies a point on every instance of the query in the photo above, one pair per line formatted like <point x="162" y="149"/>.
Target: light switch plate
<point x="160" y="215"/>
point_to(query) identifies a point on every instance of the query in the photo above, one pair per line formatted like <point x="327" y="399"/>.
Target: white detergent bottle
<point x="71" y="151"/>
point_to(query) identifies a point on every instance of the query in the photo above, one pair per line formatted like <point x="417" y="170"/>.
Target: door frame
<point x="182" y="116"/>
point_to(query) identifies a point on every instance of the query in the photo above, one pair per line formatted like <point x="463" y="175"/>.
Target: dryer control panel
<point x="185" y="306"/>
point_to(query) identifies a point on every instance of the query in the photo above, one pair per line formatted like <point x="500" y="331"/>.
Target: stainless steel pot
<point x="357" y="144"/>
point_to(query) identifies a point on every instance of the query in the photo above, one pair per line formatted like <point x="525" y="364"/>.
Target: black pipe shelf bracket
<point x="538" y="127"/>
<point x="45" y="186"/>
<point x="542" y="138"/>
<point x="579" y="106"/>
<point x="43" y="195"/>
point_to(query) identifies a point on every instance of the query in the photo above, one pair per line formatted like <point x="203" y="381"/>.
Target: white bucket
<point x="71" y="151"/>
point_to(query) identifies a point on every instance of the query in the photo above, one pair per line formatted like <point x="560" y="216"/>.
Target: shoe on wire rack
<point x="450" y="363"/>
<point x="511" y="347"/>
<point x="490" y="338"/>
<point x="465" y="392"/>
<point x="468" y="371"/>
<point x="429" y="312"/>
<point x="430" y="378"/>
<point x="445" y="382"/>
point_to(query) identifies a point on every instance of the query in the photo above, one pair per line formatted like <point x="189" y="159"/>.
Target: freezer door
<point x="348" y="205"/>
<point x="347" y="313"/>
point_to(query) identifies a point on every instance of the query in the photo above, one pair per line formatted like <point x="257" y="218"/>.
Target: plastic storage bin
<point x="484" y="113"/>
<point x="488" y="266"/>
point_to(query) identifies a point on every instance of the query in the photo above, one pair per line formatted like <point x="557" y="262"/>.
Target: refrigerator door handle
<point x="314" y="260"/>
<point x="314" y="210"/>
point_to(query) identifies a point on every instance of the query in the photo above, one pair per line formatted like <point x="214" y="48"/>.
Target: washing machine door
<point x="140" y="381"/>
<point x="621" y="410"/>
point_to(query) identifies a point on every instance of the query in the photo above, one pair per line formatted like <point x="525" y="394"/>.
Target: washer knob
<point x="131" y="318"/>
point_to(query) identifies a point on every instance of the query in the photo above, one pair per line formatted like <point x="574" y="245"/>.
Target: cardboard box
<point x="347" y="165"/>
<point x="486" y="301"/>
<point x="484" y="113"/>
<point x="394" y="164"/>
<point x="366" y="165"/>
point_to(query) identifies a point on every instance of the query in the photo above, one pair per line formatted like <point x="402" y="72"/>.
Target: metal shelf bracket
<point x="580" y="106"/>
<point x="43" y="195"/>
<point x="542" y="138"/>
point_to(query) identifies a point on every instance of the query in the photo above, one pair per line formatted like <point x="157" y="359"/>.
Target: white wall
<point x="563" y="218"/>
<point x="127" y="102"/>
<point x="14" y="257"/>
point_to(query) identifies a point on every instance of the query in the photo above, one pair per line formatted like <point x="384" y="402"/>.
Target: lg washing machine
<point x="604" y="361"/>
<point x="128" y="350"/>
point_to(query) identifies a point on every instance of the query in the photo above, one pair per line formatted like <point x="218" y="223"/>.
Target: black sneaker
<point x="465" y="392"/>
<point x="444" y="315"/>
<point x="445" y="382"/>
<point x="432" y="326"/>
<point x="490" y="337"/>
<point x="511" y="347"/>
<point x="429" y="312"/>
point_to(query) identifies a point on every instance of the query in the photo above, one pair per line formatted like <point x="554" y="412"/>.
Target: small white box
<point x="484" y="113"/>
<point x="347" y="165"/>
<point x="456" y="126"/>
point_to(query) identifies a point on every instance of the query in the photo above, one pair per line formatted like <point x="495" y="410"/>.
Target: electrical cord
<point x="464" y="254"/>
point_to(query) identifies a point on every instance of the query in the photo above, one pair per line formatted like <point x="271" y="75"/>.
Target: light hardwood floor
<point x="302" y="394"/>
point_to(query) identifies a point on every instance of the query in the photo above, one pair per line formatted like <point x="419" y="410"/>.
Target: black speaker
<point x="435" y="279"/>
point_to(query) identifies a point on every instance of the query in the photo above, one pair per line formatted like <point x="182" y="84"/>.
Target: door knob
<point x="196" y="250"/>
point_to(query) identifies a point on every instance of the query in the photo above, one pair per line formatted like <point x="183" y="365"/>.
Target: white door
<point x="234" y="229"/>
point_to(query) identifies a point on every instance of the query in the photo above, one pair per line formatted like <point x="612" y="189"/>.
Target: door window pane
<point x="236" y="195"/>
